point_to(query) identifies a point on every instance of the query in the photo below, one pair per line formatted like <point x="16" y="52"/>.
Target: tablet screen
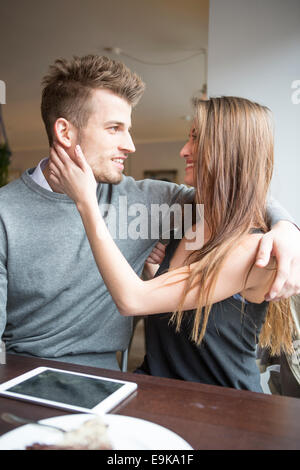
<point x="71" y="389"/>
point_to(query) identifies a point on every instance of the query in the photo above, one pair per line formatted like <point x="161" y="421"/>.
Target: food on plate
<point x="91" y="435"/>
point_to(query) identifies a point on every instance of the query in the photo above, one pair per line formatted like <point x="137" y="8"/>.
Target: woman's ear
<point x="64" y="132"/>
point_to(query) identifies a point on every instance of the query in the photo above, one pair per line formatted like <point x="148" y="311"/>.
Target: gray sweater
<point x="53" y="302"/>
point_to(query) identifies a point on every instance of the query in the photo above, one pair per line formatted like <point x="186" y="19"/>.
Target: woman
<point x="215" y="293"/>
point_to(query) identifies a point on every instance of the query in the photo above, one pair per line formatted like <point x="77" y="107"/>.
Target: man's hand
<point x="157" y="254"/>
<point x="154" y="259"/>
<point x="283" y="242"/>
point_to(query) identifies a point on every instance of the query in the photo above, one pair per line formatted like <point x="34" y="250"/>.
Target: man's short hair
<point x="68" y="86"/>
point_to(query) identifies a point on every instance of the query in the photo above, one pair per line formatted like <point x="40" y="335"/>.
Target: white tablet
<point x="68" y="390"/>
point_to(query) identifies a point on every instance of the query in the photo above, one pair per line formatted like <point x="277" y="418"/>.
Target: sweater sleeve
<point x="276" y="212"/>
<point x="163" y="192"/>
<point x="3" y="278"/>
<point x="165" y="202"/>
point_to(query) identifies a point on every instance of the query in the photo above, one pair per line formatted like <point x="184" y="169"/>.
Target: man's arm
<point x="277" y="213"/>
<point x="283" y="242"/>
<point x="3" y="280"/>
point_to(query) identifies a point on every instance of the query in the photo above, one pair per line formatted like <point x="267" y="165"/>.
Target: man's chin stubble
<point x="108" y="180"/>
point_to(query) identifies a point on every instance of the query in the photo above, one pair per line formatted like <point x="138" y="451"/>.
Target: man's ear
<point x="64" y="132"/>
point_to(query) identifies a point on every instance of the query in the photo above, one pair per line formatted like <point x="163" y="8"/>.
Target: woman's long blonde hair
<point x="234" y="149"/>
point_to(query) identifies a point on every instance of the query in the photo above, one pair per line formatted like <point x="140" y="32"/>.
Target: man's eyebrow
<point x="116" y="123"/>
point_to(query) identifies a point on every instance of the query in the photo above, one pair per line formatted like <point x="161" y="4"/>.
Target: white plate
<point x="125" y="433"/>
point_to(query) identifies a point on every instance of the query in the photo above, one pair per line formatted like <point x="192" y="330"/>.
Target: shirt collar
<point x="38" y="175"/>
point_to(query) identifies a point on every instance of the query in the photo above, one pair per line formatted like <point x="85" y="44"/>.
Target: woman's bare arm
<point x="132" y="295"/>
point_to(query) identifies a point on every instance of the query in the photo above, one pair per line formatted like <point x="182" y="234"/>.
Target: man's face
<point x="106" y="141"/>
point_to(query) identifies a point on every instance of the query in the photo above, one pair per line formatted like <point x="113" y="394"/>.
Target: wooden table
<point x="206" y="416"/>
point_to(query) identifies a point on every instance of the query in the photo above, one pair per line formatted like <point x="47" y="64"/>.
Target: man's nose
<point x="128" y="145"/>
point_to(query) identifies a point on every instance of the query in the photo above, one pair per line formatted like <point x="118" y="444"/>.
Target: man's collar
<point x="38" y="175"/>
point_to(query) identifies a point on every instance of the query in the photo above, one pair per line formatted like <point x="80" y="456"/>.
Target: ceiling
<point x="34" y="33"/>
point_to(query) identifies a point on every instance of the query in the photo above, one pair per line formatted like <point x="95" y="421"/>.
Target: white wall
<point x="254" y="52"/>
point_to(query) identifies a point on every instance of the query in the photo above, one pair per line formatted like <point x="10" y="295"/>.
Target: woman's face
<point x="188" y="152"/>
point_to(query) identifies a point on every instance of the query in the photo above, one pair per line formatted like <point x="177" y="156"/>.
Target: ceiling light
<point x="119" y="51"/>
<point x="113" y="50"/>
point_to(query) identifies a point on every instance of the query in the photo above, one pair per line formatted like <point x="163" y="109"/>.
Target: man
<point x="53" y="302"/>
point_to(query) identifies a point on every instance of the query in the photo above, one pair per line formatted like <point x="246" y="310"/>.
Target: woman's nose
<point x="186" y="150"/>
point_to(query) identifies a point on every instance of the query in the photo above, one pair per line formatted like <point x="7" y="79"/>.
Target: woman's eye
<point x="193" y="134"/>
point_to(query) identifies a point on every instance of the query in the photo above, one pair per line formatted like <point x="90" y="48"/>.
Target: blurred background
<point x="180" y="48"/>
<point x="166" y="42"/>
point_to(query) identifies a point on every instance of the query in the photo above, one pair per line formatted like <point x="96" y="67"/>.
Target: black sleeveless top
<point x="227" y="353"/>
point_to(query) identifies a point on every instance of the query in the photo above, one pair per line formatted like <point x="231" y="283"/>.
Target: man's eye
<point x="114" y="129"/>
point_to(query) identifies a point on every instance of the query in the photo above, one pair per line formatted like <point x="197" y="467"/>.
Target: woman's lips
<point x="189" y="166"/>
